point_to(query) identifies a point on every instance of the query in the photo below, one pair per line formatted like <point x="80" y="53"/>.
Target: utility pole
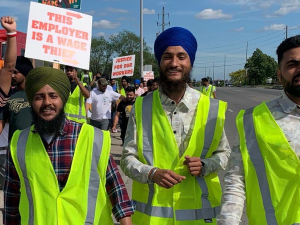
<point x="213" y="73"/>
<point x="246" y="62"/>
<point x="224" y="68"/>
<point x="286" y="30"/>
<point x="205" y="72"/>
<point x="163" y="24"/>
<point x="142" y="39"/>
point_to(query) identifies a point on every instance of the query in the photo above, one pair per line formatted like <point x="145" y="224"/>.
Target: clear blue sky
<point x="220" y="26"/>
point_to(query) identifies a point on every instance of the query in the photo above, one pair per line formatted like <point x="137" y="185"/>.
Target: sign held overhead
<point x="59" y="35"/>
<point x="123" y="66"/>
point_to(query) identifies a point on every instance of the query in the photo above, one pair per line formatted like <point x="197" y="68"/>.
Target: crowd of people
<point x="58" y="168"/>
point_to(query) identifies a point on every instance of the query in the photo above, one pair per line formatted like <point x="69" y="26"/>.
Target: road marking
<point x="230" y="110"/>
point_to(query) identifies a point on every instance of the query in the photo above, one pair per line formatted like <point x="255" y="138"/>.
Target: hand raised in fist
<point x="9" y="24"/>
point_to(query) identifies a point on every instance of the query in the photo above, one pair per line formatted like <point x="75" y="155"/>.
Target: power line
<point x="243" y="41"/>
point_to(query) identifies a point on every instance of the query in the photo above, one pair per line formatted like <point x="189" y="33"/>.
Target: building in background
<point x="21" y="42"/>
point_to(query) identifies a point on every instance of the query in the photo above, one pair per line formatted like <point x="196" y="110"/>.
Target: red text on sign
<point x="124" y="59"/>
<point x="123" y="72"/>
<point x="59" y="30"/>
<point x="71" y="44"/>
<point x="37" y="36"/>
<point x="60" y="18"/>
<point x="65" y="53"/>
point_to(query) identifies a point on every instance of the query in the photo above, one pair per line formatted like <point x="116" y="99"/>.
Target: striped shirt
<point x="61" y="151"/>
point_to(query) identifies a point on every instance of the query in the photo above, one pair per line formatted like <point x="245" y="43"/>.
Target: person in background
<point x="59" y="171"/>
<point x="149" y="87"/>
<point x="75" y="107"/>
<point x="86" y="76"/>
<point x="175" y="142"/>
<point x="145" y="85"/>
<point x="123" y="110"/>
<point x="138" y="90"/>
<point x="100" y="101"/>
<point x="125" y="84"/>
<point x="208" y="89"/>
<point x="155" y="84"/>
<point x="113" y="84"/>
<point x="142" y="85"/>
<point x="93" y="84"/>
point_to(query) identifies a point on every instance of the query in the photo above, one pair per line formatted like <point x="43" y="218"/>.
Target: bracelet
<point x="152" y="173"/>
<point x="12" y="34"/>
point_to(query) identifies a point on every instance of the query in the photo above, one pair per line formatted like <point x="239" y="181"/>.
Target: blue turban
<point x="175" y="36"/>
<point x="137" y="81"/>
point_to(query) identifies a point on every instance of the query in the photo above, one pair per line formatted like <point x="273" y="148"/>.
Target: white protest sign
<point x="147" y="75"/>
<point x="58" y="35"/>
<point x="123" y="66"/>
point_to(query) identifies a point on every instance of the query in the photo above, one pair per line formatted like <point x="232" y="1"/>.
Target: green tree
<point x="101" y="55"/>
<point x="237" y="77"/>
<point x="125" y="43"/>
<point x="260" y="66"/>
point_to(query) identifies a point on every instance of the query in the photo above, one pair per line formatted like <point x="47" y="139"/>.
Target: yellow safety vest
<point x="90" y="76"/>
<point x="75" y="106"/>
<point x="197" y="199"/>
<point x="122" y="91"/>
<point x="271" y="169"/>
<point x="209" y="91"/>
<point x="83" y="200"/>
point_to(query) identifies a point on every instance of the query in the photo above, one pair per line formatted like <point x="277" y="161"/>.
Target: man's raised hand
<point x="9" y="24"/>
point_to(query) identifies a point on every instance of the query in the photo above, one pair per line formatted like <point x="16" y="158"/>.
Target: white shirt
<point x="101" y="103"/>
<point x="287" y="115"/>
<point x="108" y="88"/>
<point x="182" y="122"/>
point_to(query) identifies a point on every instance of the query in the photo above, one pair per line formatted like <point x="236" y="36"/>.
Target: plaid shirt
<point x="61" y="151"/>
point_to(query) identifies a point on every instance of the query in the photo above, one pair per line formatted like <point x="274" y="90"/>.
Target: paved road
<point x="237" y="99"/>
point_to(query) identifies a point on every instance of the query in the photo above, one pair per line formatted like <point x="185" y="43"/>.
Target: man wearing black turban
<point x="67" y="170"/>
<point x="175" y="142"/>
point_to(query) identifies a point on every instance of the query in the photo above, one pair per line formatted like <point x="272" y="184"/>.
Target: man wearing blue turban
<point x="138" y="90"/>
<point x="175" y="143"/>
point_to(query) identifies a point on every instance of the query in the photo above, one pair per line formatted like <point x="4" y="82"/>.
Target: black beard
<point x="44" y="127"/>
<point x="170" y="87"/>
<point x="290" y="88"/>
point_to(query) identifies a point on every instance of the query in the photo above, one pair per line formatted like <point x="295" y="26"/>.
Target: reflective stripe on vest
<point x="271" y="168"/>
<point x="21" y="158"/>
<point x="259" y="165"/>
<point x="166" y="212"/>
<point x="94" y="178"/>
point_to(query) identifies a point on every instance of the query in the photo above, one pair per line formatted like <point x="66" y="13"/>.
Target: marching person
<point x="101" y="101"/>
<point x="175" y="142"/>
<point x="138" y="90"/>
<point x="75" y="107"/>
<point x="208" y="89"/>
<point x="264" y="165"/>
<point x="123" y="111"/>
<point x="59" y="171"/>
